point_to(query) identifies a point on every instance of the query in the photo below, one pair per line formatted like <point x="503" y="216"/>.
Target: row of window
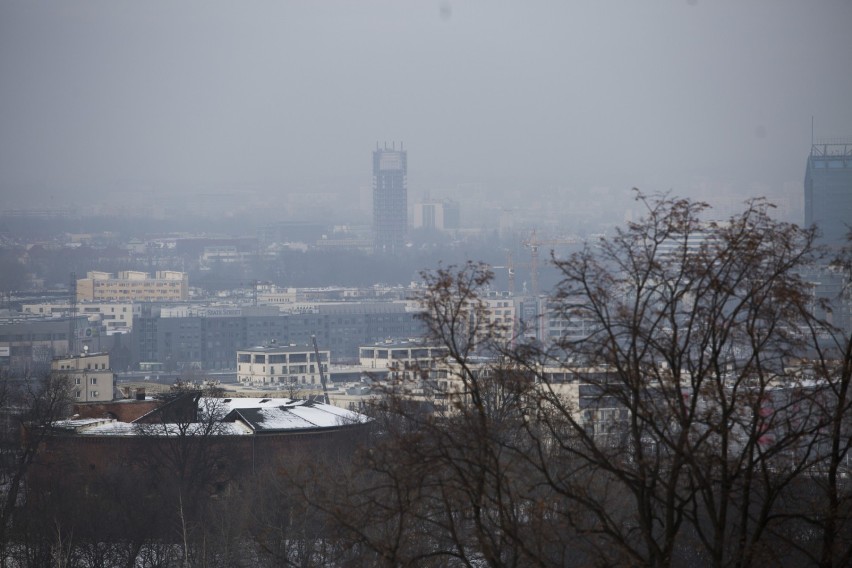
<point x="92" y="394"/>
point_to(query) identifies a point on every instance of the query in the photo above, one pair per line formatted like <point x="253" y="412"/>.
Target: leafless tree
<point x="825" y="499"/>
<point x="185" y="463"/>
<point x="680" y="435"/>
<point x="693" y="418"/>
<point x="30" y="406"/>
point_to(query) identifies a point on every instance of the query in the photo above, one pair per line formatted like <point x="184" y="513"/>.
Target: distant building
<point x="91" y="378"/>
<point x="281" y="365"/>
<point x="208" y="337"/>
<point x="390" y="199"/>
<point x="441" y="215"/>
<point x="133" y="286"/>
<point x="404" y="360"/>
<point x="122" y="437"/>
<point x="113" y="316"/>
<point x="31" y="343"/>
<point x="828" y="192"/>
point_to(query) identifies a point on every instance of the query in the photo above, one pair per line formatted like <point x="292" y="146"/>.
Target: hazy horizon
<point x="110" y="101"/>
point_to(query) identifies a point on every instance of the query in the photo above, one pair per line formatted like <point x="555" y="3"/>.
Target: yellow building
<point x="133" y="286"/>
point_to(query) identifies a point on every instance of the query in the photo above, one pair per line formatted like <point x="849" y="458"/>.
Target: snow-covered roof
<point x="112" y="427"/>
<point x="240" y="416"/>
<point x="278" y="414"/>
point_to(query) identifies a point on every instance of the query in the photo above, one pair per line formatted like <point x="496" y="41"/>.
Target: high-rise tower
<point x="390" y="199"/>
<point x="828" y="191"/>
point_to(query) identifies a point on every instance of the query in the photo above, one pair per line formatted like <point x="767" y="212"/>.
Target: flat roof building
<point x="133" y="286"/>
<point x="282" y="365"/>
<point x="828" y="192"/>
<point x="390" y="199"/>
<point x="90" y="376"/>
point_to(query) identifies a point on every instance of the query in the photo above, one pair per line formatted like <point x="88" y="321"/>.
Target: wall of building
<point x="166" y="285"/>
<point x="212" y="341"/>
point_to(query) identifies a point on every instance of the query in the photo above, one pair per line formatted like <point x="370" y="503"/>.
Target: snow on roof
<point x="112" y="427"/>
<point x="271" y="414"/>
<point x="244" y="416"/>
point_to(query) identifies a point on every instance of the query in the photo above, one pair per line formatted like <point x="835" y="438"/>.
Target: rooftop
<point x="240" y="416"/>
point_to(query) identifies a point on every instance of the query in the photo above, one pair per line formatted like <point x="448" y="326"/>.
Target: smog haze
<point x="110" y="101"/>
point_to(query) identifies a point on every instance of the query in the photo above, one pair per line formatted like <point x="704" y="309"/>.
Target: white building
<point x="283" y="365"/>
<point x="404" y="360"/>
<point x="114" y="316"/>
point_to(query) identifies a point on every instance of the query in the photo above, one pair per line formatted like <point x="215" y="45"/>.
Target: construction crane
<point x="321" y="372"/>
<point x="534" y="244"/>
<point x="511" y="269"/>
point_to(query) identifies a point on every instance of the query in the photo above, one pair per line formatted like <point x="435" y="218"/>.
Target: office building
<point x="208" y="338"/>
<point x="390" y="199"/>
<point x="828" y="192"/>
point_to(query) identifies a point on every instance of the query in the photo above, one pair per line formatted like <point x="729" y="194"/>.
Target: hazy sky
<point x="294" y="94"/>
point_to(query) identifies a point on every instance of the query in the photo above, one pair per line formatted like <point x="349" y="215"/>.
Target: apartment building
<point x="90" y="375"/>
<point x="403" y="360"/>
<point x="281" y="364"/>
<point x="133" y="286"/>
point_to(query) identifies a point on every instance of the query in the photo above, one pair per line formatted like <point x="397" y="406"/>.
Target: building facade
<point x="390" y="199"/>
<point x="828" y="192"/>
<point x="113" y="316"/>
<point x="91" y="378"/>
<point x="281" y="365"/>
<point x="404" y="360"/>
<point x="29" y="344"/>
<point x="133" y="286"/>
<point x="440" y="215"/>
<point x="208" y="338"/>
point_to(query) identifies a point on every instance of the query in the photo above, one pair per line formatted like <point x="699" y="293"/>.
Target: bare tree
<point x="185" y="461"/>
<point x="825" y="501"/>
<point x="30" y="406"/>
<point x="692" y="416"/>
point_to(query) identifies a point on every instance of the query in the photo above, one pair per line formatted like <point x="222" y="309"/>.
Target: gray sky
<point x="292" y="95"/>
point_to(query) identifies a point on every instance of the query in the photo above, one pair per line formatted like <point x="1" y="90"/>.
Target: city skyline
<point x="169" y="102"/>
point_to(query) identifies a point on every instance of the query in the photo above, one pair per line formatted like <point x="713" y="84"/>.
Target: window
<point x="94" y="380"/>
<point x="77" y="382"/>
<point x="94" y="393"/>
<point x="77" y="394"/>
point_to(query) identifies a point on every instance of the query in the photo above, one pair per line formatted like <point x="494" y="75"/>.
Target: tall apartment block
<point x="828" y="191"/>
<point x="390" y="199"/>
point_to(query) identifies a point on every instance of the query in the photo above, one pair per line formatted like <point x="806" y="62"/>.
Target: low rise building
<point x="403" y="360"/>
<point x="90" y="375"/>
<point x="113" y="316"/>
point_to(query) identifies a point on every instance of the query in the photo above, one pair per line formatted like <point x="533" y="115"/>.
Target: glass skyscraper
<point x="390" y="199"/>
<point x="828" y="191"/>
